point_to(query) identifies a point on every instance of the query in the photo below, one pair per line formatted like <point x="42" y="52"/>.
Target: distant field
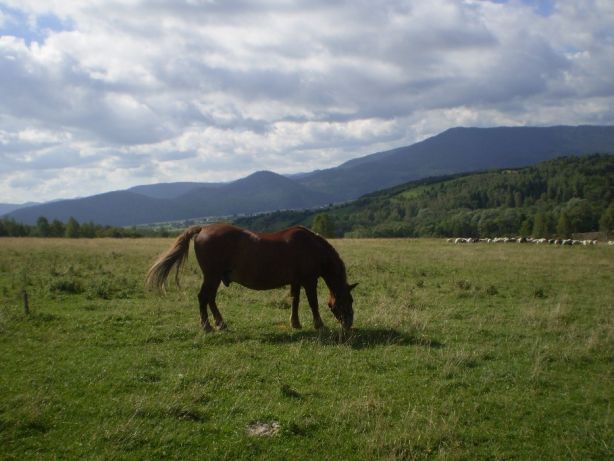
<point x="460" y="352"/>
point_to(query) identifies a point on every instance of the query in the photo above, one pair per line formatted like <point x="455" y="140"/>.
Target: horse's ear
<point x="352" y="286"/>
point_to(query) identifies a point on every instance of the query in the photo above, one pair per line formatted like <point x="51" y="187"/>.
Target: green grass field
<point x="459" y="352"/>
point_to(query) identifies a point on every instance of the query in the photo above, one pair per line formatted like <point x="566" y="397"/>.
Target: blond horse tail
<point x="175" y="256"/>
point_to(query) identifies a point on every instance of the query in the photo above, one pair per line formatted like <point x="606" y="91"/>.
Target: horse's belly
<point x="260" y="280"/>
<point x="263" y="286"/>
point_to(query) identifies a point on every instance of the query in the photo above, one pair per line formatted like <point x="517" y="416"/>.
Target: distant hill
<point x="259" y="192"/>
<point x="116" y="208"/>
<point x="170" y="189"/>
<point x="454" y="151"/>
<point x="561" y="196"/>
<point x="8" y="207"/>
<point x="459" y="150"/>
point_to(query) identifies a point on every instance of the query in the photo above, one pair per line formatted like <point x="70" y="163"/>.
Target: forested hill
<point x="556" y="197"/>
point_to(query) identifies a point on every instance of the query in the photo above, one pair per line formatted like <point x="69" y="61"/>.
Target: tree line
<point x="72" y="229"/>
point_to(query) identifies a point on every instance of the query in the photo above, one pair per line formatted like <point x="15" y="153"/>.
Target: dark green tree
<point x="57" y="228"/>
<point x="323" y="225"/>
<point x="11" y="228"/>
<point x="88" y="230"/>
<point x="563" y="227"/>
<point x="43" y="229"/>
<point x="580" y="214"/>
<point x="540" y="228"/>
<point x="606" y="222"/>
<point x="525" y="228"/>
<point x="72" y="228"/>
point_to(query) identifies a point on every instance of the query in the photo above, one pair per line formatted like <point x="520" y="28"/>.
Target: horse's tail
<point x="176" y="255"/>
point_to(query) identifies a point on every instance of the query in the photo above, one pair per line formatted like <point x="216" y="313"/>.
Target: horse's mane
<point x="335" y="264"/>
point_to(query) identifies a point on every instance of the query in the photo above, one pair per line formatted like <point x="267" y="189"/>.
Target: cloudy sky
<point x="100" y="95"/>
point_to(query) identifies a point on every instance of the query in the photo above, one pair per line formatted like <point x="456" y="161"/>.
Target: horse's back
<point x="293" y="234"/>
<point x="298" y="237"/>
<point x="218" y="231"/>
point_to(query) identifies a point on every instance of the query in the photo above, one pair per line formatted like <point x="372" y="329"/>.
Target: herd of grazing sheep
<point x="525" y="240"/>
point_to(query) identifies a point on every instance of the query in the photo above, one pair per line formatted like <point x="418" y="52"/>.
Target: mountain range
<point x="456" y="150"/>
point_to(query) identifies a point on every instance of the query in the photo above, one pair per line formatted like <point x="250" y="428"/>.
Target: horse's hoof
<point x="296" y="325"/>
<point x="207" y="328"/>
<point x="221" y="326"/>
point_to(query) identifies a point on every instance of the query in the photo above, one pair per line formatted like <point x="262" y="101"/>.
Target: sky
<point x="102" y="95"/>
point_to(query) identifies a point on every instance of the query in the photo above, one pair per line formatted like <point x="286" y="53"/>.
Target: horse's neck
<point x="334" y="275"/>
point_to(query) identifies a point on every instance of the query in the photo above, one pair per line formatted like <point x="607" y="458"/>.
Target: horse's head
<point x="340" y="304"/>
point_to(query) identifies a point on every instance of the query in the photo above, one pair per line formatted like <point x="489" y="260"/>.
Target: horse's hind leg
<point x="219" y="321"/>
<point x="295" y="292"/>
<point x="311" y="290"/>
<point x="211" y="294"/>
<point x="202" y="302"/>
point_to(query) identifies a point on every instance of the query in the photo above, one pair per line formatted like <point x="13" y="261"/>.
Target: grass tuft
<point x="288" y="391"/>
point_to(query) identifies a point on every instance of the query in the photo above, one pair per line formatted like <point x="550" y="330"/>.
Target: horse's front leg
<point x="295" y="292"/>
<point x="311" y="290"/>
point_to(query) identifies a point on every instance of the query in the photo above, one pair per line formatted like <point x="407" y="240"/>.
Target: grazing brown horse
<point x="295" y="257"/>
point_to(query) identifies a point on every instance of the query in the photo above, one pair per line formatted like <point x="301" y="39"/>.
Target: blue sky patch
<point x="30" y="28"/>
<point x="541" y="7"/>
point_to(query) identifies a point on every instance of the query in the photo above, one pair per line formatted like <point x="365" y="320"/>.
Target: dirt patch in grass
<point x="263" y="429"/>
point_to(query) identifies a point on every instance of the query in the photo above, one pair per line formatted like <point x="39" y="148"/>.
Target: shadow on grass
<point x="362" y="338"/>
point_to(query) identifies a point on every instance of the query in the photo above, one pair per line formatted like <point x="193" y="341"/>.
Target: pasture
<point x="459" y="352"/>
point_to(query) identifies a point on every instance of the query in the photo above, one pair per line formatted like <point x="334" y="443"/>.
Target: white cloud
<point x="107" y="94"/>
